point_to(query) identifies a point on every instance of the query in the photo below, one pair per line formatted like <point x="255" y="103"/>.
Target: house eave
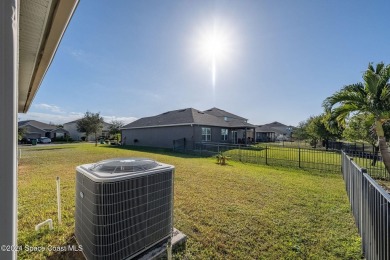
<point x="37" y="53"/>
<point x="188" y="124"/>
<point x="156" y="126"/>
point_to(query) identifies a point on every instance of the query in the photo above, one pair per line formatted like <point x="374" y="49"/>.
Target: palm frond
<point x="385" y="95"/>
<point x="372" y="96"/>
<point x="385" y="77"/>
<point x="371" y="67"/>
<point x="379" y="67"/>
<point x="331" y="122"/>
<point x="371" y="82"/>
<point x="351" y="94"/>
<point x="342" y="112"/>
<point x="357" y="88"/>
<point x="385" y="116"/>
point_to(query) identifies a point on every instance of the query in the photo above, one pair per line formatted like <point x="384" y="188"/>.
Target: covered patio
<point x="265" y="134"/>
<point x="242" y="134"/>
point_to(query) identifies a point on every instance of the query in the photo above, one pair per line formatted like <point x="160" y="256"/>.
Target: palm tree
<point x="372" y="96"/>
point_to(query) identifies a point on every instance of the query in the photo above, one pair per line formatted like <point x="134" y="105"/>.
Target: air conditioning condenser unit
<point x="124" y="206"/>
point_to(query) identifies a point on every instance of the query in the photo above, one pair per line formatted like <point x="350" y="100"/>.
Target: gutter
<point x="171" y="125"/>
<point x="56" y="27"/>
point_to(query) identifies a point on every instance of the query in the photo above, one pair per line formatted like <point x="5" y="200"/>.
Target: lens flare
<point x="214" y="44"/>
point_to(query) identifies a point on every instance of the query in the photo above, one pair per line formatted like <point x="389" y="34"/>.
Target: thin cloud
<point x="125" y="120"/>
<point x="81" y="56"/>
<point x="51" y="108"/>
<point x="49" y="118"/>
<point x="78" y="54"/>
<point x="54" y="118"/>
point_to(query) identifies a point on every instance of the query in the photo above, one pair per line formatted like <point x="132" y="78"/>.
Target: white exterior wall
<point x="72" y="129"/>
<point x="76" y="135"/>
<point x="9" y="30"/>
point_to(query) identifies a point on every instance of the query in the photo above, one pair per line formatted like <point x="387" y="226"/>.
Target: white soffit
<point x="42" y="24"/>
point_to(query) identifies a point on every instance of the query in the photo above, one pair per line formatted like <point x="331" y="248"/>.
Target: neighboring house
<point x="213" y="125"/>
<point x="274" y="131"/>
<point x="71" y="127"/>
<point x="35" y="129"/>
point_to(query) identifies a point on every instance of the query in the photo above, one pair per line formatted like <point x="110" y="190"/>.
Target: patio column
<point x="9" y="30"/>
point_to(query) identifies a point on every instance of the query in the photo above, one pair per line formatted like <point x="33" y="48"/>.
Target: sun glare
<point x="214" y="44"/>
<point x="214" y="47"/>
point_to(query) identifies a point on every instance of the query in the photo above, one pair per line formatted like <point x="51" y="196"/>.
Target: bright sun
<point x="214" y="47"/>
<point x="214" y="44"/>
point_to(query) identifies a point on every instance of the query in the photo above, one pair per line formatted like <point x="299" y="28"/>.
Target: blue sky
<point x="281" y="59"/>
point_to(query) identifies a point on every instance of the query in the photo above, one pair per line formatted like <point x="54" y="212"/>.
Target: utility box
<point x="124" y="206"/>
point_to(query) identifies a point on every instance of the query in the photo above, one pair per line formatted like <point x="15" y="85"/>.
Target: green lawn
<point x="237" y="211"/>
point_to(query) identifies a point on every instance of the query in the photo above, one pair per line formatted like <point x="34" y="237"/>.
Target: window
<point x="206" y="134"/>
<point x="224" y="134"/>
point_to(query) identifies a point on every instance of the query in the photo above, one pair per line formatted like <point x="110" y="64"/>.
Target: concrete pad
<point x="160" y="250"/>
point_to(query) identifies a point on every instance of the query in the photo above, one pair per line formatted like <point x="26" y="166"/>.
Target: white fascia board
<point x="59" y="22"/>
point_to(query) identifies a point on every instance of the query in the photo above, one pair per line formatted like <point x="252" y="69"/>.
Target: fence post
<point x="362" y="233"/>
<point x="299" y="157"/>
<point x="266" y="154"/>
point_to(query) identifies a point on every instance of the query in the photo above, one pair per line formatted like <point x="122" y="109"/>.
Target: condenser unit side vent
<point x="122" y="218"/>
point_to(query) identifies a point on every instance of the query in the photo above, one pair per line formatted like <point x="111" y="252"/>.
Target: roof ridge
<point x="192" y="114"/>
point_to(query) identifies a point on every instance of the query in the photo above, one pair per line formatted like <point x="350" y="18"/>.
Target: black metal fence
<point x="273" y="155"/>
<point x="371" y="209"/>
<point x="370" y="161"/>
<point x="350" y="147"/>
<point x="319" y="159"/>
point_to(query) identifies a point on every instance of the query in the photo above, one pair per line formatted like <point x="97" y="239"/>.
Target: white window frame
<point x="206" y="134"/>
<point x="224" y="134"/>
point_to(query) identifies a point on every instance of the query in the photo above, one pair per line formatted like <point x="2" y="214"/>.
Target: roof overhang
<point x="156" y="126"/>
<point x="243" y="127"/>
<point x="188" y="124"/>
<point x="42" y="24"/>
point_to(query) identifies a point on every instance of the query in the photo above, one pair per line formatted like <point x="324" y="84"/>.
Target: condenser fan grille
<point x="124" y="165"/>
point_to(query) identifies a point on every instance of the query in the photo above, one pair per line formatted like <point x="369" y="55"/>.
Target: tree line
<point x="357" y="112"/>
<point x="92" y="124"/>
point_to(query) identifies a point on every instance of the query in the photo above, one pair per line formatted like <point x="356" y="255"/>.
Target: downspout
<point x="246" y="137"/>
<point x="192" y="139"/>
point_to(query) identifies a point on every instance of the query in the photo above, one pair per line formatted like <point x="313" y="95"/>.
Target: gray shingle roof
<point x="240" y="124"/>
<point x="185" y="116"/>
<point x="222" y="113"/>
<point x="275" y="127"/>
<point x="37" y="124"/>
<point x="276" y="124"/>
<point x="265" y="129"/>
